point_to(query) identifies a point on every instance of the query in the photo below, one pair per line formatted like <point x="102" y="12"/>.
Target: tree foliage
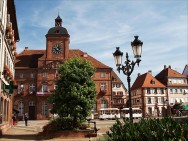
<point x="165" y="129"/>
<point x="74" y="95"/>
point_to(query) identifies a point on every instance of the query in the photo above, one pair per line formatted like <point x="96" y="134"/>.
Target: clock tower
<point x="57" y="42"/>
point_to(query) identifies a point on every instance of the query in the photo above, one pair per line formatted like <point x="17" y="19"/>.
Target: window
<point x="45" y="87"/>
<point x="162" y="91"/>
<point x="44" y="108"/>
<point x="113" y="85"/>
<point x="118" y="85"/>
<point x="21" y="75"/>
<point x="21" y="87"/>
<point x="55" y="86"/>
<point x="148" y="100"/>
<point x="120" y="93"/>
<point x="148" y="91"/>
<point x="103" y="86"/>
<point x="171" y="90"/>
<point x="181" y="91"/>
<point x="176" y="91"/>
<point x="31" y="103"/>
<point x="150" y="110"/>
<point x="102" y="75"/>
<point x="45" y="74"/>
<point x="156" y="99"/>
<point x="104" y="104"/>
<point x="31" y="87"/>
<point x="162" y="100"/>
<point x="32" y="75"/>
<point x="155" y="90"/>
<point x="137" y="101"/>
<point x="114" y="93"/>
<point x="152" y="82"/>
<point x="20" y="108"/>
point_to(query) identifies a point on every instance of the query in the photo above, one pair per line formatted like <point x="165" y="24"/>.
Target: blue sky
<point x="99" y="26"/>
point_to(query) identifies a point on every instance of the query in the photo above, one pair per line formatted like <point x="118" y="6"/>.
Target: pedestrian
<point x="25" y="118"/>
<point x="14" y="120"/>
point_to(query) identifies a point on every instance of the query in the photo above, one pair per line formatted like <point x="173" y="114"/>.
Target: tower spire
<point x="58" y="20"/>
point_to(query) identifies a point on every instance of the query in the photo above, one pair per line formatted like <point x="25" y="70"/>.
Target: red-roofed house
<point x="176" y="84"/>
<point x="36" y="72"/>
<point x="149" y="94"/>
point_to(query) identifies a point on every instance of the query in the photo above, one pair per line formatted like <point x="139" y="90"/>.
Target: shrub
<point x="65" y="123"/>
<point x="166" y="129"/>
<point x="59" y="124"/>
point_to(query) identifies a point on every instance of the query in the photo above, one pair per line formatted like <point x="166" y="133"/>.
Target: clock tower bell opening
<point x="57" y="41"/>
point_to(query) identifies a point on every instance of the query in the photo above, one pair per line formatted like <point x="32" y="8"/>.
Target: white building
<point x="149" y="94"/>
<point x="8" y="38"/>
<point x="176" y="84"/>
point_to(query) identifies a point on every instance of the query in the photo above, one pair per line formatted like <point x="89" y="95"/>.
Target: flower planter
<point x="67" y="134"/>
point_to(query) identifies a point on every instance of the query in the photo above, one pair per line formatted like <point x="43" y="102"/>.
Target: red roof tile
<point x="81" y="54"/>
<point x="145" y="81"/>
<point x="166" y="73"/>
<point x="29" y="58"/>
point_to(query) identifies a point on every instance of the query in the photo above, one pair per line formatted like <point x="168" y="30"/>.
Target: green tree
<point x="74" y="95"/>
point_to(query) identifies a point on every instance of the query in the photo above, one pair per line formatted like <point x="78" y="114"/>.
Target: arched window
<point x="44" y="108"/>
<point x="20" y="108"/>
<point x="104" y="104"/>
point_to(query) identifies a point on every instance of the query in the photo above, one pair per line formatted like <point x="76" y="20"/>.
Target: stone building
<point x="8" y="37"/>
<point x="36" y="72"/>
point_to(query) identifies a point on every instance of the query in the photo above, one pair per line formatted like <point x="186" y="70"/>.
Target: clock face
<point x="57" y="49"/>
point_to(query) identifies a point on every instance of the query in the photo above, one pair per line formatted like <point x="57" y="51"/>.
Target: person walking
<point x="25" y="118"/>
<point x="14" y="119"/>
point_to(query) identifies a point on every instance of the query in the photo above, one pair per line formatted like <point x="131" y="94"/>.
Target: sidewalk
<point x="29" y="133"/>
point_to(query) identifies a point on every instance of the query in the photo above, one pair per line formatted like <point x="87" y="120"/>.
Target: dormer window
<point x="152" y="82"/>
<point x="57" y="31"/>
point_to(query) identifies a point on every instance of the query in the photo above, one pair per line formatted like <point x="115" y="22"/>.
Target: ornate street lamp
<point x="168" y="108"/>
<point x="129" y="66"/>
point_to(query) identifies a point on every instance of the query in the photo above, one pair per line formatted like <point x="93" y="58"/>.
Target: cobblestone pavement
<point x="21" y="132"/>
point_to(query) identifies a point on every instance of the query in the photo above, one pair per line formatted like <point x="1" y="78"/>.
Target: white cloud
<point x="97" y="27"/>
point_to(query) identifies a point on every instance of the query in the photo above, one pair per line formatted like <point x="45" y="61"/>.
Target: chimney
<point x="150" y="71"/>
<point x="26" y="48"/>
<point x="85" y="55"/>
<point x="169" y="67"/>
<point x="138" y="74"/>
<point x="164" y="66"/>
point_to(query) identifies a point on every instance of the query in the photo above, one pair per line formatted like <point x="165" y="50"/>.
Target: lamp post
<point x="129" y="66"/>
<point x="168" y="108"/>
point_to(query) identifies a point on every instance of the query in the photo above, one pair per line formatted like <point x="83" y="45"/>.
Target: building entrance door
<point x="32" y="112"/>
